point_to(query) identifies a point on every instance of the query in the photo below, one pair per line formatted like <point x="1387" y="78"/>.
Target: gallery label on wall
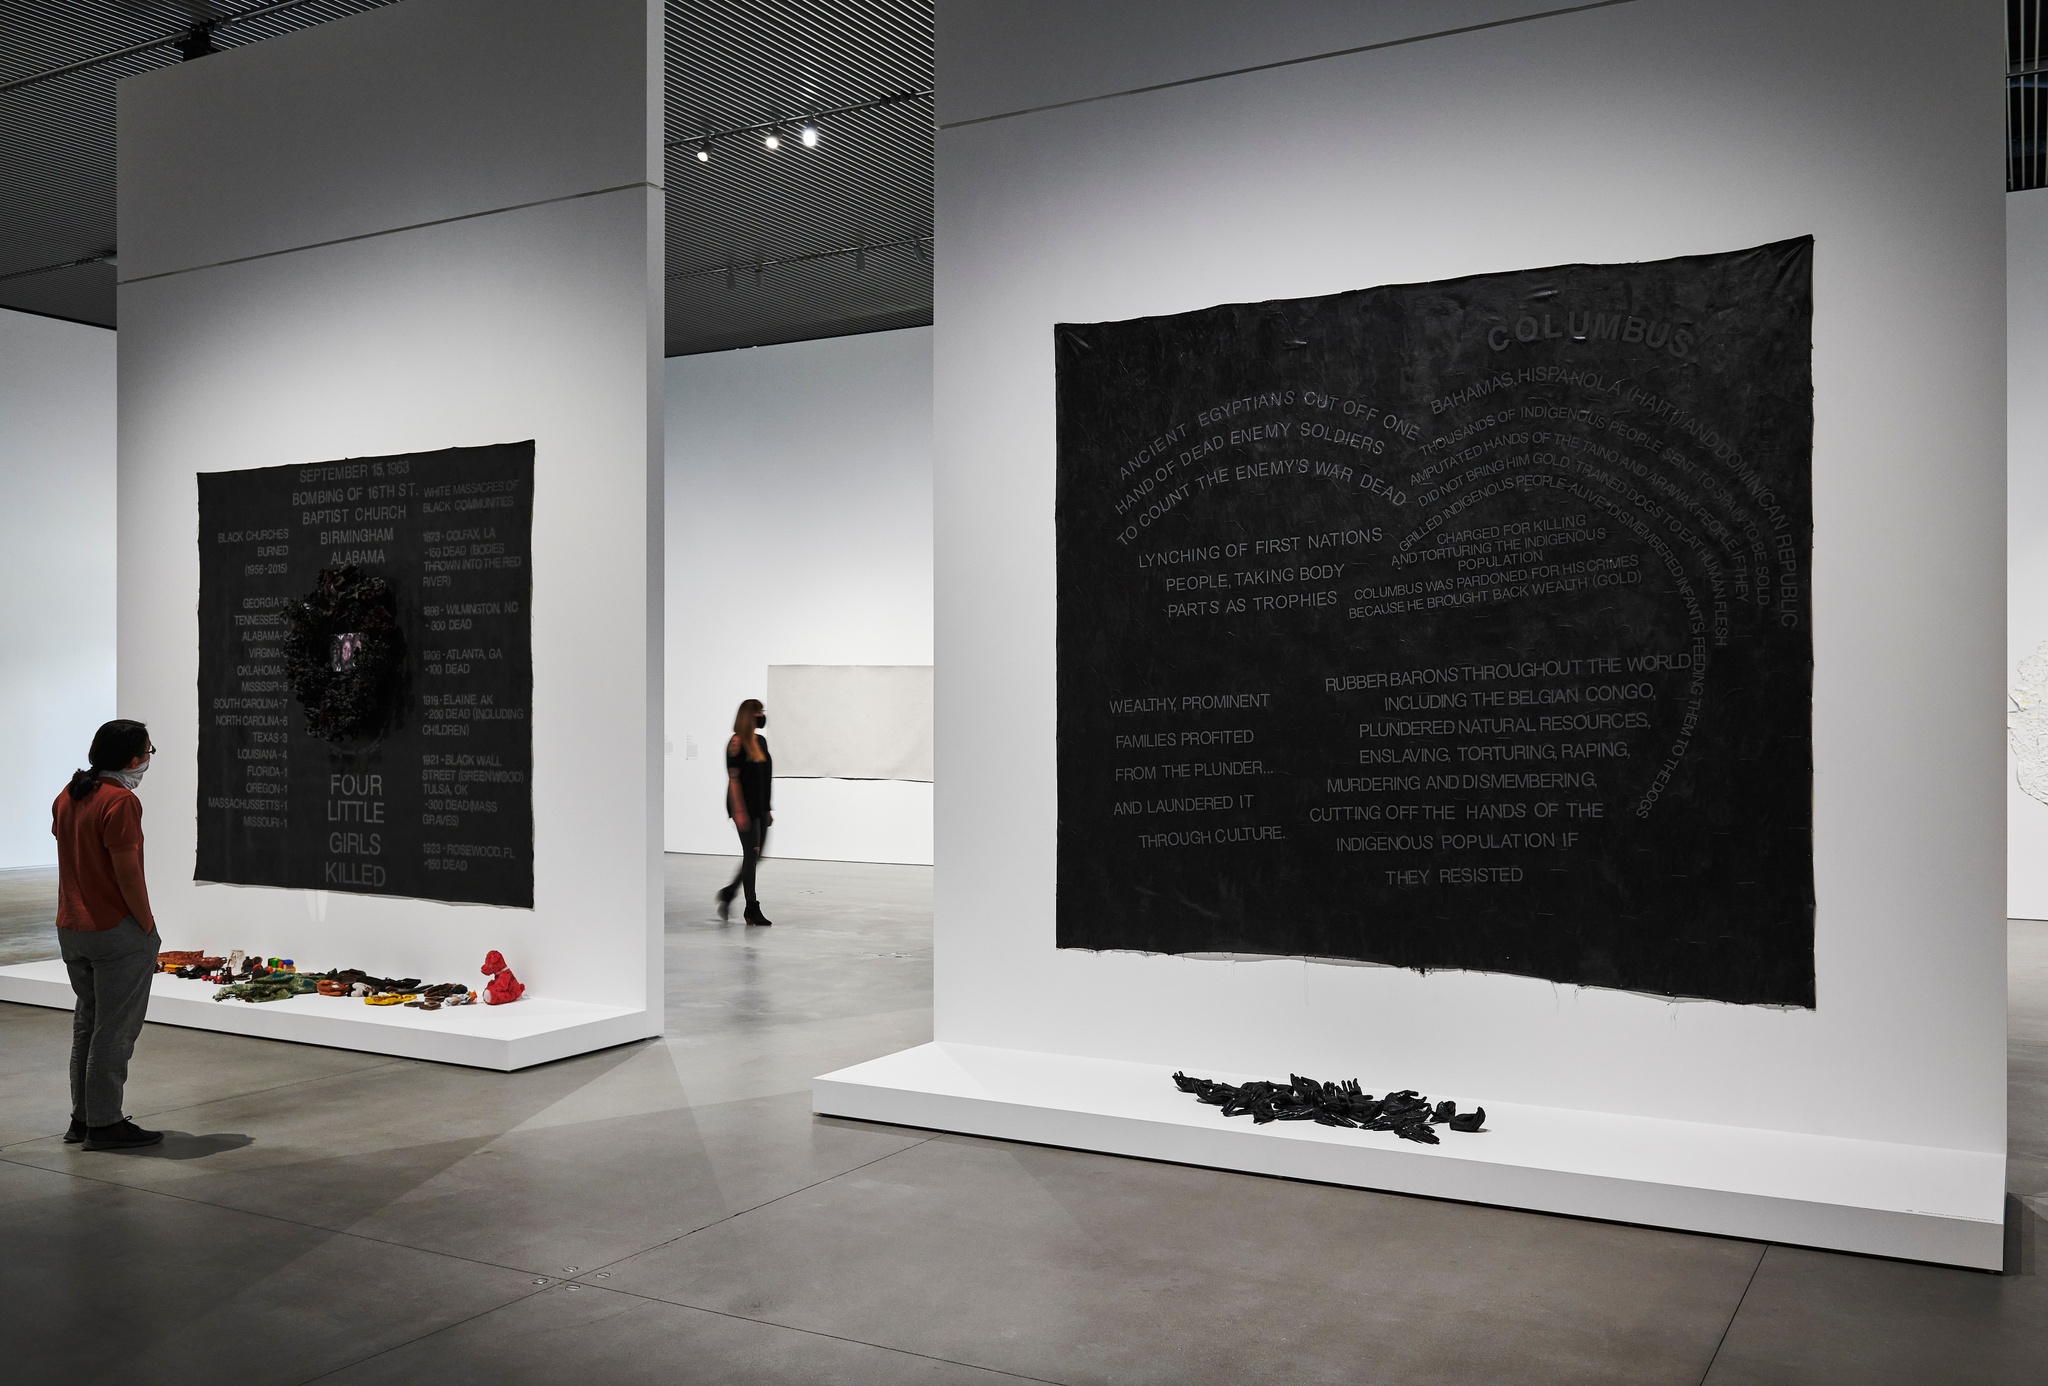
<point x="1451" y="626"/>
<point x="366" y="675"/>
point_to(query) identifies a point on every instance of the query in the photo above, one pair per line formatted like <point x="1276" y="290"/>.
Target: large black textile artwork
<point x="1453" y="625"/>
<point x="365" y="675"/>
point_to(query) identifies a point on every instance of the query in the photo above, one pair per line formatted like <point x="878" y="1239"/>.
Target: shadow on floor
<point x="182" y="1145"/>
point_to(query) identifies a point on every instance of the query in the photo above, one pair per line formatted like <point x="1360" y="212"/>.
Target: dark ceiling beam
<point x="858" y="252"/>
<point x="100" y="259"/>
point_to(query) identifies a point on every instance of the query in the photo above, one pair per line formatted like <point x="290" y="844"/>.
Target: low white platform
<point x="1916" y="1202"/>
<point x="531" y="1030"/>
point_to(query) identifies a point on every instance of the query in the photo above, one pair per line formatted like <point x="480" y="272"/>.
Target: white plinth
<point x="531" y="1030"/>
<point x="1918" y="1202"/>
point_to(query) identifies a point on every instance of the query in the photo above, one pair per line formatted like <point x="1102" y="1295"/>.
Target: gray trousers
<point x="110" y="972"/>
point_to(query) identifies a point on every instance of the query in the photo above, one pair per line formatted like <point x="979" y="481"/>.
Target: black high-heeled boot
<point x="725" y="902"/>
<point x="755" y="917"/>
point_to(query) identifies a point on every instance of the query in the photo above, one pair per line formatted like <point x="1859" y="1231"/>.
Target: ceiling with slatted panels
<point x="764" y="245"/>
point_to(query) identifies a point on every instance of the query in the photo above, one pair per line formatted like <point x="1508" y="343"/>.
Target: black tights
<point x="753" y="841"/>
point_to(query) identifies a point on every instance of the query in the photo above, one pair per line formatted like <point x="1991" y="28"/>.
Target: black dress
<point x="757" y="777"/>
<point x="757" y="790"/>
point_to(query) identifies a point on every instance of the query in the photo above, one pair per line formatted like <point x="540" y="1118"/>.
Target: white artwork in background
<point x="851" y="721"/>
<point x="2026" y="724"/>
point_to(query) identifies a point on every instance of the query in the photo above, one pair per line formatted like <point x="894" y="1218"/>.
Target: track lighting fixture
<point x="197" y="42"/>
<point x="806" y="129"/>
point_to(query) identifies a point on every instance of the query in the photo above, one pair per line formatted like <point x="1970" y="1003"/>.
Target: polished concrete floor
<point x="671" y="1212"/>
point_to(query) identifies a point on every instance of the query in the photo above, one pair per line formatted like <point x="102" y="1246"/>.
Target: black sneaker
<point x="122" y="1135"/>
<point x="74" y="1133"/>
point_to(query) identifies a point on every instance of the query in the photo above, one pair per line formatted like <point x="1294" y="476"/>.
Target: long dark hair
<point x="113" y="746"/>
<point x="743" y="727"/>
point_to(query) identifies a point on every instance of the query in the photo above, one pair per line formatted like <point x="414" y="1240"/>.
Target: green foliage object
<point x="280" y="986"/>
<point x="348" y="693"/>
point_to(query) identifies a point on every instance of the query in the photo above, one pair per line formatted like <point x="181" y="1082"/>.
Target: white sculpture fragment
<point x="2026" y="724"/>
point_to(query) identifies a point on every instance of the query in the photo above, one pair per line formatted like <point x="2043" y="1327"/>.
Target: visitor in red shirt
<point x="105" y="931"/>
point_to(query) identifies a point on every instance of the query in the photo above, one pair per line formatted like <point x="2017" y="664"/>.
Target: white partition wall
<point x="1106" y="161"/>
<point x="2027" y="528"/>
<point x="433" y="225"/>
<point x="56" y="564"/>
<point x="799" y="532"/>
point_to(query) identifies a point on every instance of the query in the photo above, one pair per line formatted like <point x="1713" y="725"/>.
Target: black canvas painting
<point x="366" y="675"/>
<point x="1453" y="625"/>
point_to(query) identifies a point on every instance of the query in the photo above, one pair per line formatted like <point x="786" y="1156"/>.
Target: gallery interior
<point x="1082" y="691"/>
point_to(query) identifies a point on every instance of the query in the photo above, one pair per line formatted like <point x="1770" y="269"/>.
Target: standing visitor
<point x="105" y="931"/>
<point x="749" y="784"/>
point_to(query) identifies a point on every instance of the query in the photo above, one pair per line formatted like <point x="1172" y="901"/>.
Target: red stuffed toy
<point x="504" y="986"/>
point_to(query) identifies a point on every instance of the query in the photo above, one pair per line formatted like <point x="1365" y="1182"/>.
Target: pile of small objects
<point x="393" y="991"/>
<point x="1408" y="1114"/>
<point x="279" y="986"/>
<point x="239" y="976"/>
<point x="195" y="965"/>
<point x="244" y="978"/>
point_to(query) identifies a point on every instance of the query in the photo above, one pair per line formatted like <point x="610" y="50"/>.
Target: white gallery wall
<point x="1621" y="132"/>
<point x="799" y="503"/>
<point x="2026" y="229"/>
<point x="56" y="566"/>
<point x="431" y="225"/>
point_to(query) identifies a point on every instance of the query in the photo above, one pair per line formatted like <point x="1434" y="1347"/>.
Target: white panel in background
<point x="851" y="721"/>
<point x="56" y="566"/>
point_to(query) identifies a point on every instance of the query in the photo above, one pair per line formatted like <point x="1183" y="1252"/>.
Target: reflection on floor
<point x="671" y="1212"/>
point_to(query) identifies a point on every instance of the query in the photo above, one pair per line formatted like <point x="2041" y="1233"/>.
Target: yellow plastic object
<point x="391" y="998"/>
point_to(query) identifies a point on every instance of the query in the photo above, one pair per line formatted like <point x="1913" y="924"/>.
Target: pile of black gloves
<point x="1408" y="1114"/>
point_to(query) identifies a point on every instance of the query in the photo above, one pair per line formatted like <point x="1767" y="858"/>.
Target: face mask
<point x="127" y="779"/>
<point x="760" y="719"/>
